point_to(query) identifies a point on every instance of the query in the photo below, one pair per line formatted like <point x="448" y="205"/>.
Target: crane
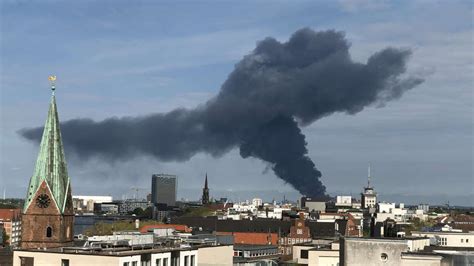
<point x="136" y="190"/>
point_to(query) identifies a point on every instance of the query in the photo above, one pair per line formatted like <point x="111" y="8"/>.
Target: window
<point x="126" y="264"/>
<point x="192" y="260"/>
<point x="158" y="262"/>
<point x="64" y="262"/>
<point x="383" y="257"/>
<point x="27" y="261"/>
<point x="175" y="261"/>
<point x="165" y="262"/>
<point x="443" y="241"/>
<point x="299" y="231"/>
<point x="304" y="254"/>
<point x="134" y="263"/>
<point x="467" y="240"/>
<point x="49" y="231"/>
<point x="145" y="260"/>
<point x="462" y="240"/>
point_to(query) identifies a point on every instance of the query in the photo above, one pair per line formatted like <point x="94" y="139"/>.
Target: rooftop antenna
<point x="52" y="81"/>
<point x="368" y="177"/>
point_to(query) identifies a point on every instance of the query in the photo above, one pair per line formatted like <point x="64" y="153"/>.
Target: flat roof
<point x="444" y="248"/>
<point x="418" y="254"/>
<point x="253" y="247"/>
<point x="399" y="239"/>
<point x="443" y="232"/>
<point x="311" y="244"/>
<point x="115" y="252"/>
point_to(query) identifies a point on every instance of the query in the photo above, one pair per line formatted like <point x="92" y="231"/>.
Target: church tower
<point x="48" y="215"/>
<point x="205" y="193"/>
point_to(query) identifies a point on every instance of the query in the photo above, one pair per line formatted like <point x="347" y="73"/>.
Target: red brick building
<point x="282" y="233"/>
<point x="299" y="233"/>
<point x="10" y="220"/>
<point x="351" y="227"/>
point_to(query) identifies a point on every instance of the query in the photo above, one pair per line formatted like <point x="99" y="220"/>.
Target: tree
<point x="148" y="213"/>
<point x="137" y="212"/>
<point x="5" y="237"/>
<point x="102" y="228"/>
<point x="198" y="212"/>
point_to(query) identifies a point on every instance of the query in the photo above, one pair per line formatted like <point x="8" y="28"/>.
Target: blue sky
<point x="123" y="58"/>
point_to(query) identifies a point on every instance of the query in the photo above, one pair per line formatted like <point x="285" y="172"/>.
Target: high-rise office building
<point x="163" y="189"/>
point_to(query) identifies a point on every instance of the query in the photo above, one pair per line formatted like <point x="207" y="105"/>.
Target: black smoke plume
<point x="258" y="109"/>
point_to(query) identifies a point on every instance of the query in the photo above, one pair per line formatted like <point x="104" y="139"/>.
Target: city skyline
<point x="396" y="156"/>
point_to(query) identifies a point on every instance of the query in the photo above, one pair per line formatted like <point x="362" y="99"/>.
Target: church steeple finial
<point x="52" y="81"/>
<point x="205" y="183"/>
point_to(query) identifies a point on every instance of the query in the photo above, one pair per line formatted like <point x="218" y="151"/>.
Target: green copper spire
<point x="51" y="163"/>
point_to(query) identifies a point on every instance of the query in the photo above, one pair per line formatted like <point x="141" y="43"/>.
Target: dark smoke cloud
<point x="258" y="109"/>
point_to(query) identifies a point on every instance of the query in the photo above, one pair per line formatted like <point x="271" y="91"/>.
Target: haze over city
<point x="127" y="61"/>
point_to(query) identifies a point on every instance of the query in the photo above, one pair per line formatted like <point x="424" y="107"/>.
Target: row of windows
<point x="444" y="241"/>
<point x="288" y="240"/>
<point x="188" y="261"/>
<point x="260" y="254"/>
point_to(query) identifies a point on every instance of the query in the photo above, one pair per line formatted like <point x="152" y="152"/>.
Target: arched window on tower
<point x="49" y="231"/>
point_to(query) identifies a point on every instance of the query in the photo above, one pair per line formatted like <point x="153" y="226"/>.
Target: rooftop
<point x="254" y="247"/>
<point x="317" y="229"/>
<point x="381" y="239"/>
<point x="442" y="248"/>
<point x="116" y="251"/>
<point x="442" y="233"/>
<point x="9" y="214"/>
<point x="177" y="227"/>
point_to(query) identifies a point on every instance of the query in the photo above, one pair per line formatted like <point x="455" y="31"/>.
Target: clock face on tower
<point x="43" y="201"/>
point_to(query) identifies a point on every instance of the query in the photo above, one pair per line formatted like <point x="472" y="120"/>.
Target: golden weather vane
<point x="52" y="81"/>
